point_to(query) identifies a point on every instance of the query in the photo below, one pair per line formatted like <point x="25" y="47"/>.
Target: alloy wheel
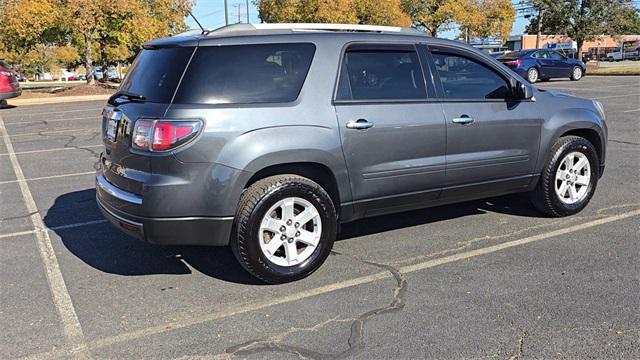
<point x="573" y="177"/>
<point x="290" y="231"/>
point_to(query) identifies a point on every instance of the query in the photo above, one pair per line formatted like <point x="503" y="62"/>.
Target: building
<point x="600" y="46"/>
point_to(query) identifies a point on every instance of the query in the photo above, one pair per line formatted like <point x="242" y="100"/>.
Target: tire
<point x="576" y="73"/>
<point x="532" y="75"/>
<point x="545" y="196"/>
<point x="250" y="238"/>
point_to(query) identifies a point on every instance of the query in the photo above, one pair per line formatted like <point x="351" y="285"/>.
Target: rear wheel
<point x="576" y="73"/>
<point x="284" y="229"/>
<point x="569" y="178"/>
<point x="532" y="75"/>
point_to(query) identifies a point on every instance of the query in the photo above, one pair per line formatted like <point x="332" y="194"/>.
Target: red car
<point x="9" y="86"/>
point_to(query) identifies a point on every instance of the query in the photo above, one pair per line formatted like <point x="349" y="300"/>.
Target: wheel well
<point x="314" y="171"/>
<point x="590" y="135"/>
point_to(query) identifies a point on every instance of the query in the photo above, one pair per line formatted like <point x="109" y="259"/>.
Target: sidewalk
<point x="56" y="100"/>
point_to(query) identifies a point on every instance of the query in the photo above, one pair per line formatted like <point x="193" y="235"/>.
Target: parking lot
<point x="491" y="278"/>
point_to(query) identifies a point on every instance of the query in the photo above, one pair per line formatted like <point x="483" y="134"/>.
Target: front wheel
<point x="569" y="178"/>
<point x="284" y="228"/>
<point x="532" y="75"/>
<point x="576" y="73"/>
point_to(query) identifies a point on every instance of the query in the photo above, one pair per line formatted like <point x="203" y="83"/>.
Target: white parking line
<point x="57" y="112"/>
<point x="615" y="96"/>
<point x="93" y="129"/>
<point x="53" y="149"/>
<point x="231" y="311"/>
<point x="73" y="334"/>
<point x="55" y="228"/>
<point x="96" y="117"/>
<point x="629" y="111"/>
<point x="23" y="180"/>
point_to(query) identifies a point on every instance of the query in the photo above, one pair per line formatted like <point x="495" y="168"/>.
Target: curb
<point x="56" y="100"/>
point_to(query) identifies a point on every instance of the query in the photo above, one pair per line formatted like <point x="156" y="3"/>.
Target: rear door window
<point x="155" y="73"/>
<point x="386" y="73"/>
<point x="246" y="74"/>
<point x="466" y="78"/>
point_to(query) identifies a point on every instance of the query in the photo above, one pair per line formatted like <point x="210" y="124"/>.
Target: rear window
<point x="245" y="74"/>
<point x="155" y="73"/>
<point x="513" y="55"/>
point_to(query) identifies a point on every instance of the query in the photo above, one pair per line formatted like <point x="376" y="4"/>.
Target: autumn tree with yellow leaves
<point x="379" y="12"/>
<point x="38" y="33"/>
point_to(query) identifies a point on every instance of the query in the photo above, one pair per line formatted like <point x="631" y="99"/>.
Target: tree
<point x="111" y="31"/>
<point x="431" y="16"/>
<point x="29" y="33"/>
<point x="484" y="18"/>
<point x="380" y="12"/>
<point x="37" y="34"/>
<point x="584" y="20"/>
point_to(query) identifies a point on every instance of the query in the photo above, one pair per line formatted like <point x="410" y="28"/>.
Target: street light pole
<point x="226" y="13"/>
<point x="248" y="12"/>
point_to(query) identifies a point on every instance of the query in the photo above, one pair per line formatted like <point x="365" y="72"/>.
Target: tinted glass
<point x="381" y="75"/>
<point x="514" y="54"/>
<point x="556" y="56"/>
<point x="155" y="73"/>
<point x="464" y="78"/>
<point x="244" y="74"/>
<point x="541" y="55"/>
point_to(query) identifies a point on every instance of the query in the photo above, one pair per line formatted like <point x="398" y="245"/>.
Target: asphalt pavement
<point x="482" y="279"/>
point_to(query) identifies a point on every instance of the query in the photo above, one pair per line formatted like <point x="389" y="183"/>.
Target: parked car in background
<point x="112" y="75"/>
<point x="266" y="139"/>
<point x="628" y="50"/>
<point x="543" y="64"/>
<point x="9" y="86"/>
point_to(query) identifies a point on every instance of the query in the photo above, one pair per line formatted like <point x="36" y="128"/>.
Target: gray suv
<point x="267" y="137"/>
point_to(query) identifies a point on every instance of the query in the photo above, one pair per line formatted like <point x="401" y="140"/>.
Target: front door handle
<point x="360" y="124"/>
<point x="463" y="119"/>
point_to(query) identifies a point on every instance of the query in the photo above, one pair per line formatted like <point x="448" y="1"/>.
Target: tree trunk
<point x="88" y="61"/>
<point x="579" y="44"/>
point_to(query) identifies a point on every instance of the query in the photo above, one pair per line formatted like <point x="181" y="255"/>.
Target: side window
<point x="465" y="78"/>
<point x="556" y="56"/>
<point x="385" y="74"/>
<point x="540" y="55"/>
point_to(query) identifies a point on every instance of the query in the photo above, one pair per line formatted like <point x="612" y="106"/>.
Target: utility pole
<point x="238" y="6"/>
<point x="540" y="16"/>
<point x="226" y="13"/>
<point x="248" y="21"/>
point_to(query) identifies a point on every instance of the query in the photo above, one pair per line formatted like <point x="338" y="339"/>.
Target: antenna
<point x="198" y="22"/>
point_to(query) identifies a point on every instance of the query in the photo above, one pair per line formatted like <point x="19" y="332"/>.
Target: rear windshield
<point x="513" y="55"/>
<point x="245" y="74"/>
<point x="155" y="73"/>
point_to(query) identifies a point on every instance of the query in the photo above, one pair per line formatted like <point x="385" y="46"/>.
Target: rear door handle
<point x="360" y="124"/>
<point x="463" y="119"/>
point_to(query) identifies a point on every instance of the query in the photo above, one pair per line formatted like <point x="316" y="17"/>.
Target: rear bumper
<point x="9" y="95"/>
<point x="204" y="231"/>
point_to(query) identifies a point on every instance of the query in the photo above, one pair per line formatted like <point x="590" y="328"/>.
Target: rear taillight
<point x="163" y="135"/>
<point x="514" y="62"/>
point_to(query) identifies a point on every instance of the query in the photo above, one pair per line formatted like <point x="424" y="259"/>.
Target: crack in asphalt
<point x="623" y="142"/>
<point x="468" y="243"/>
<point x="355" y="341"/>
<point x="520" y="352"/>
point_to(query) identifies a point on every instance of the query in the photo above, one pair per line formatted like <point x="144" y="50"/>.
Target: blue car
<point x="542" y="64"/>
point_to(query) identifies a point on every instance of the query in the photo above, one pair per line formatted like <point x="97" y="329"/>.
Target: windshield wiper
<point x="125" y="95"/>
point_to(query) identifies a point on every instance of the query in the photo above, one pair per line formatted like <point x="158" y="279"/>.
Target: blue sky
<point x="211" y="14"/>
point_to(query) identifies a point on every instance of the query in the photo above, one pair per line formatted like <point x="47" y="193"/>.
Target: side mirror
<point x="522" y="91"/>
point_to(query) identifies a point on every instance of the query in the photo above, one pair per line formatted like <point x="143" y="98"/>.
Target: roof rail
<point x="327" y="27"/>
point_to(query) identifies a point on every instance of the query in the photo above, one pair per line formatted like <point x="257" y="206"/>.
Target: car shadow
<point x="103" y="247"/>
